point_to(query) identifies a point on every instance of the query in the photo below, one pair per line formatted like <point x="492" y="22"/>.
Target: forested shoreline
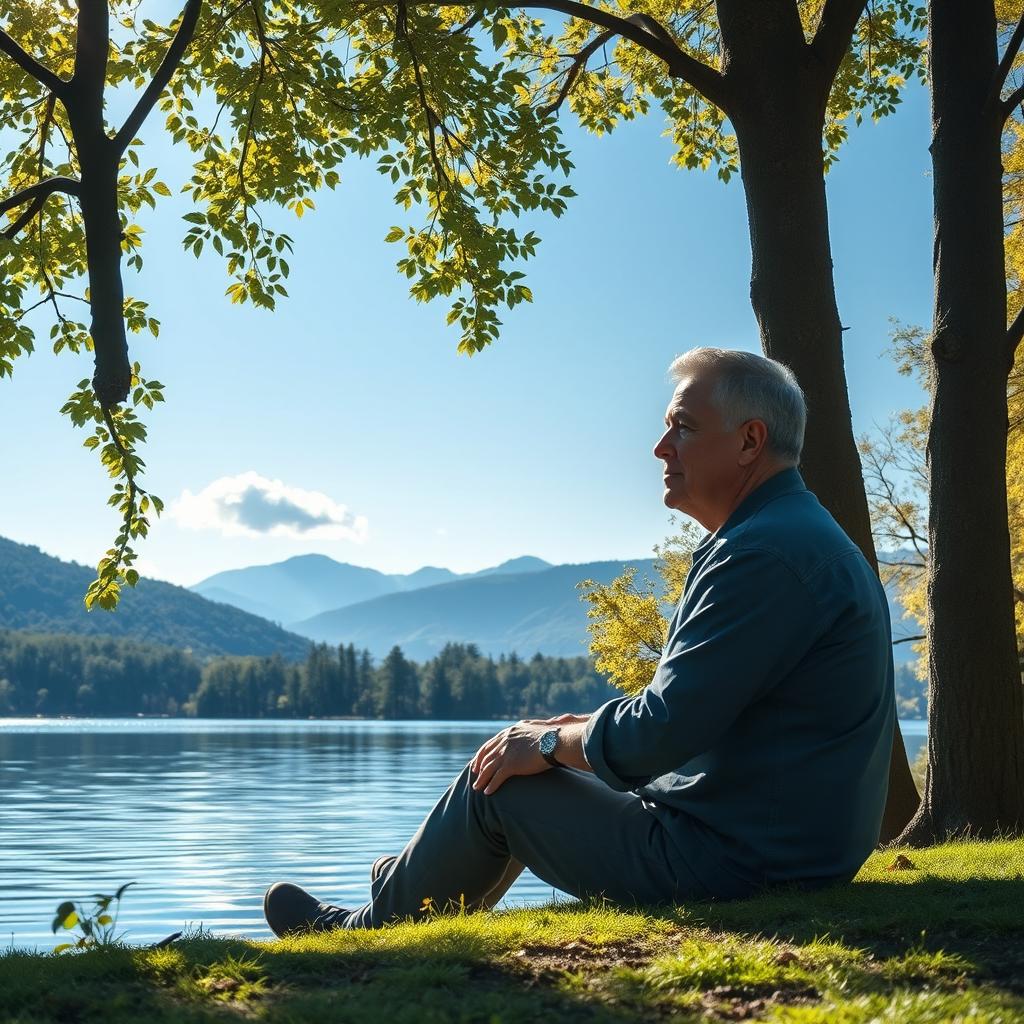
<point x="44" y="674"/>
<point x="51" y="674"/>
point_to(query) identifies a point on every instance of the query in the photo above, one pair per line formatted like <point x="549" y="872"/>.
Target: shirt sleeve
<point x="747" y="620"/>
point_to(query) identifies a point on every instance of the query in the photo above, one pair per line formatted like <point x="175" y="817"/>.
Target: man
<point x="759" y="752"/>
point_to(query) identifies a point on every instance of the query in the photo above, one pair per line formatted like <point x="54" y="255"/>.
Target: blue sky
<point x="351" y="401"/>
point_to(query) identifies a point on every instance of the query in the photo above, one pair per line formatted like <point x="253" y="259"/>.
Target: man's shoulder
<point x="795" y="530"/>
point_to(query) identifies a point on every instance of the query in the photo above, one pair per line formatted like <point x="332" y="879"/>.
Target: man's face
<point x="700" y="455"/>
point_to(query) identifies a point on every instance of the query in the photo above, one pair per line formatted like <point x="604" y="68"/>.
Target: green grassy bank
<point x="942" y="940"/>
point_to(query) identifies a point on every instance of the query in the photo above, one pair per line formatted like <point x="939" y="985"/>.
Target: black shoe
<point x="380" y="866"/>
<point x="290" y="910"/>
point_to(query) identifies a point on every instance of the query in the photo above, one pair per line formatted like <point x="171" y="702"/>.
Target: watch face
<point x="548" y="742"/>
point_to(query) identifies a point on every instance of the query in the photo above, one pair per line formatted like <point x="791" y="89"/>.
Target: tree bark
<point x="975" y="780"/>
<point x="112" y="378"/>
<point x="98" y="159"/>
<point x="780" y="92"/>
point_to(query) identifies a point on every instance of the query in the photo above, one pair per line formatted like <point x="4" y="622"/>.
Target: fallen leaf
<point x="902" y="863"/>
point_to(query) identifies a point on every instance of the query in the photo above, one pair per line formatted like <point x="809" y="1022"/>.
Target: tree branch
<point x="469" y="23"/>
<point x="41" y="190"/>
<point x="1003" y="71"/>
<point x="1011" y="101"/>
<point x="26" y="218"/>
<point x="908" y="639"/>
<point x="164" y="73"/>
<point x="835" y="30"/>
<point x="579" y="63"/>
<point x="710" y="83"/>
<point x="31" y="66"/>
<point x="432" y="119"/>
<point x="1014" y="334"/>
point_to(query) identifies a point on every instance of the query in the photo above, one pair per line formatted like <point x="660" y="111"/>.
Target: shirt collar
<point x="787" y="481"/>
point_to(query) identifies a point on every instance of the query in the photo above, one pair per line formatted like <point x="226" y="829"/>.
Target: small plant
<point x="96" y="928"/>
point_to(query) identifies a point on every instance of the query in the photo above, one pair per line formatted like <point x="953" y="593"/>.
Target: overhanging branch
<point x="644" y="21"/>
<point x="40" y="190"/>
<point x="835" y="30"/>
<point x="653" y="37"/>
<point x="162" y="77"/>
<point x="31" y="66"/>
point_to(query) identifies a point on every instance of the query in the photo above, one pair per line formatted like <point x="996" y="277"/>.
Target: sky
<point x="345" y="422"/>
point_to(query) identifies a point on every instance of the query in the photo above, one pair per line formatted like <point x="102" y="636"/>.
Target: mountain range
<point x="44" y="594"/>
<point x="525" y="605"/>
<point x="307" y="585"/>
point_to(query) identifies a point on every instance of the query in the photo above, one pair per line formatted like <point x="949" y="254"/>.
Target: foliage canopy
<point x="457" y="103"/>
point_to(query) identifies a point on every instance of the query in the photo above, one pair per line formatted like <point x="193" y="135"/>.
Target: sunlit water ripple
<point x="203" y="815"/>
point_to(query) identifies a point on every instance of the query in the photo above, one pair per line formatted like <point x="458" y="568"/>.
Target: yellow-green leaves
<point x="628" y="620"/>
<point x="458" y="106"/>
<point x="116" y="435"/>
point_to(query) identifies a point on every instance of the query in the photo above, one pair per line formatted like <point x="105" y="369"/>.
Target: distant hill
<point x="307" y="585"/>
<point x="498" y="611"/>
<point x="42" y="593"/>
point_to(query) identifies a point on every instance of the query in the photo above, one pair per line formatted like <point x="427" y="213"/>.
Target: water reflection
<point x="204" y="815"/>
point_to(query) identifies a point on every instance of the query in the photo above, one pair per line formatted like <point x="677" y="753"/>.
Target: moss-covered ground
<point x="939" y="937"/>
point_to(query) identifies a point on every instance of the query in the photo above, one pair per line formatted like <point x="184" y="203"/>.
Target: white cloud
<point x="250" y="505"/>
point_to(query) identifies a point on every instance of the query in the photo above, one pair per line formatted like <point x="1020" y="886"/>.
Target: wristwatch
<point x="548" y="745"/>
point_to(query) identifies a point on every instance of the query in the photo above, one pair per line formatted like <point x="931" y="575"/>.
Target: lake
<point x="203" y="815"/>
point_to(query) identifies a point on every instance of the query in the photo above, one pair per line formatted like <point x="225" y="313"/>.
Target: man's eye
<point x="682" y="428"/>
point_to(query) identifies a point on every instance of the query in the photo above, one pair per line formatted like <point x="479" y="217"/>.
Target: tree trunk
<point x="98" y="159"/>
<point x="975" y="781"/>
<point x="112" y="379"/>
<point x="779" y="119"/>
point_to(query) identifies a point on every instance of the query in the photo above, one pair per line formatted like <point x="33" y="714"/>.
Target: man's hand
<point x="514" y="751"/>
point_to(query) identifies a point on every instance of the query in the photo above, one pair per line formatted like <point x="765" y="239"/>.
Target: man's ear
<point x="754" y="435"/>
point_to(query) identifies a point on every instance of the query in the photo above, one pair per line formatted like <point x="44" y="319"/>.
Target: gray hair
<point x="751" y="387"/>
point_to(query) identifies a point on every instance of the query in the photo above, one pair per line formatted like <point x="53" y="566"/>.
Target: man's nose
<point x="663" y="450"/>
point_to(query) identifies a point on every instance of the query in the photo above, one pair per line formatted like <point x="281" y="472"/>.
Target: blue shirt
<point x="763" y="741"/>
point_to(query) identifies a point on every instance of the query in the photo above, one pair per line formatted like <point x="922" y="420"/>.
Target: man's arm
<point x="745" y="622"/>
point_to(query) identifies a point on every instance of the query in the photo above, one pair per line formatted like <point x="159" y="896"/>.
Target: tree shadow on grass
<point x="437" y="976"/>
<point x="708" y="959"/>
<point x="978" y="919"/>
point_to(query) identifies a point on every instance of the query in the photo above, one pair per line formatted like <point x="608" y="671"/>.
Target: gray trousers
<point x="568" y="827"/>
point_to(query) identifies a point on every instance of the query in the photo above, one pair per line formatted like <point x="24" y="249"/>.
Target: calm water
<point x="203" y="815"/>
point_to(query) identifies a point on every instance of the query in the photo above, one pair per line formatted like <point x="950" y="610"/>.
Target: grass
<point x="941" y="941"/>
